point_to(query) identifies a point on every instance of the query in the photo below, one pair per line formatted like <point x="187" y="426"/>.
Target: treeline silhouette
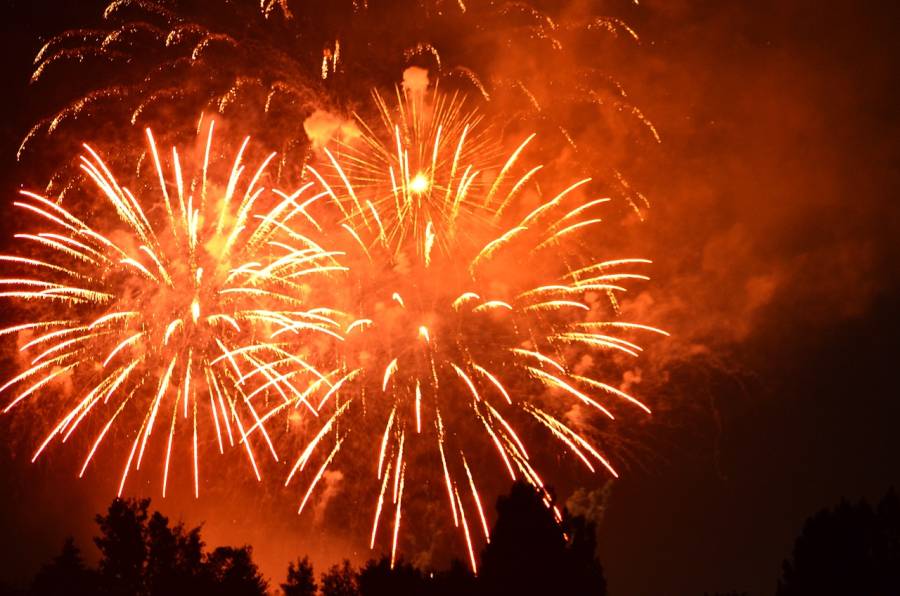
<point x="851" y="549"/>
<point x="848" y="550"/>
<point x="528" y="554"/>
<point x="142" y="553"/>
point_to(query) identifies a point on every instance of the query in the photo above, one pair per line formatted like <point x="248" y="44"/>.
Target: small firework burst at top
<point x="421" y="166"/>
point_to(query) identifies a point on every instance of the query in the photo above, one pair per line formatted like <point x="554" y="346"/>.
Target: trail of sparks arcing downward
<point x="165" y="318"/>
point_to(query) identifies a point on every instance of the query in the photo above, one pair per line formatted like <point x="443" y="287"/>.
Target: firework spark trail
<point x="459" y="334"/>
<point x="146" y="310"/>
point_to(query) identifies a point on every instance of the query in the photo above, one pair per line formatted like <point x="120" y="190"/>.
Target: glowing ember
<point x="419" y="183"/>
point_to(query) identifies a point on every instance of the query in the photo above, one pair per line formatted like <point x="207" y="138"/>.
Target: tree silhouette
<point x="174" y="558"/>
<point x="853" y="549"/>
<point x="377" y="578"/>
<point x="530" y="554"/>
<point x="582" y="566"/>
<point x="65" y="575"/>
<point x="161" y="573"/>
<point x="123" y="548"/>
<point x="526" y="546"/>
<point x="340" y="580"/>
<point x="142" y="555"/>
<point x="301" y="580"/>
<point x="234" y="573"/>
<point x="456" y="580"/>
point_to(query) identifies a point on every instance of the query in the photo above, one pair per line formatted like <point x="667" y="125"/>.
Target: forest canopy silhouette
<point x="850" y="549"/>
<point x="143" y="553"/>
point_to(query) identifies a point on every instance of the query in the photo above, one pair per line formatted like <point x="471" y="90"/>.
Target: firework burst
<point x="421" y="170"/>
<point x="179" y="315"/>
<point x="473" y="301"/>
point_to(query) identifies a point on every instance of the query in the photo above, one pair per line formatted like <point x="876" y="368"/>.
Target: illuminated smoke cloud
<point x="415" y="80"/>
<point x="323" y="127"/>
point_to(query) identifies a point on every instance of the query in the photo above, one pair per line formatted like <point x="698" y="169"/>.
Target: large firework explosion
<point x="418" y="303"/>
<point x="451" y="347"/>
<point x="175" y="314"/>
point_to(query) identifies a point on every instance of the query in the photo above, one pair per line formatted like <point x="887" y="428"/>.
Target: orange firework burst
<point x="474" y="301"/>
<point x="182" y="314"/>
<point x="421" y="171"/>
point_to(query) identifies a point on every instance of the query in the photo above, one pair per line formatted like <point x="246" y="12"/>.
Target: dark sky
<point x="775" y="232"/>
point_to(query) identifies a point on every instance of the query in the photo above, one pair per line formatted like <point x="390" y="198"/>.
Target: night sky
<point x="774" y="229"/>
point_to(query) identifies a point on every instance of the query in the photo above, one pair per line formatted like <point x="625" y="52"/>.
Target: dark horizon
<point x="774" y="231"/>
